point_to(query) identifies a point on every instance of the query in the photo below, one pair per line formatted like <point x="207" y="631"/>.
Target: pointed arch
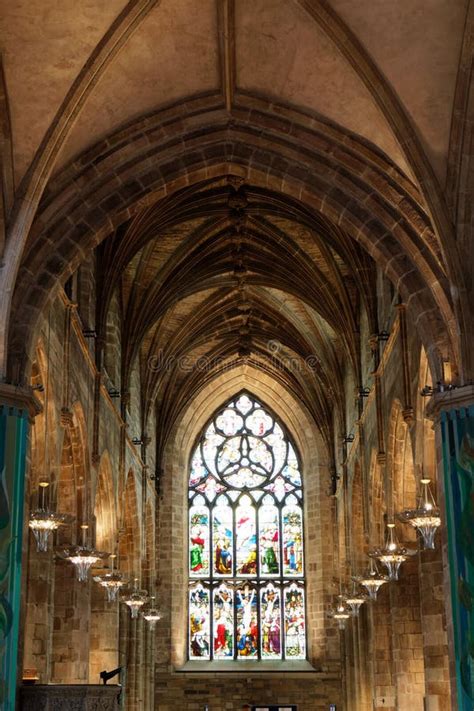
<point x="105" y="506"/>
<point x="129" y="543"/>
<point x="71" y="635"/>
<point x="104" y="619"/>
<point x="401" y="480"/>
<point x="172" y="524"/>
<point x="357" y="522"/>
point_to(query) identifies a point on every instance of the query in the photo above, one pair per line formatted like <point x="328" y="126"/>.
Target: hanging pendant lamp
<point x="135" y="599"/>
<point x="43" y="521"/>
<point x="425" y="518"/>
<point x="393" y="553"/>
<point x="152" y="614"/>
<point x="372" y="580"/>
<point x="355" y="600"/>
<point x="112" y="580"/>
<point x="83" y="557"/>
<point x="341" y="612"/>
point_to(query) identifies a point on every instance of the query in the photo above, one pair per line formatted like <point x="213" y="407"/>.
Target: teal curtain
<point x="457" y="428"/>
<point x="13" y="438"/>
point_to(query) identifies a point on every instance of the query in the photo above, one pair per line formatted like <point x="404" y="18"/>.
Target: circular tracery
<point x="245" y="448"/>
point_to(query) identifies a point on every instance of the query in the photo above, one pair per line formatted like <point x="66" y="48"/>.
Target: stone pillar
<point x="435" y="641"/>
<point x="384" y="690"/>
<point x="70" y="662"/>
<point x="104" y="632"/>
<point x="16" y="407"/>
<point x="407" y="639"/>
<point x="453" y="412"/>
<point x="39" y="604"/>
<point x="366" y="653"/>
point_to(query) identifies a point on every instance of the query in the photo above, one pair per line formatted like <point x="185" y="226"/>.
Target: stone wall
<point x="224" y="692"/>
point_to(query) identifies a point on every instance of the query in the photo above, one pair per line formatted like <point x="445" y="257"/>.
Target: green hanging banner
<point x="14" y="423"/>
<point x="457" y="430"/>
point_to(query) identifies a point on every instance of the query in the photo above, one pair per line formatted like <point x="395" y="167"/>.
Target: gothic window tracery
<point x="246" y="551"/>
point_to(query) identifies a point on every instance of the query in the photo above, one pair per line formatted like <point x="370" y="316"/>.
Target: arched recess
<point x="401" y="478"/>
<point x="377" y="500"/>
<point x="357" y="522"/>
<point x="113" y="336"/>
<point x="129" y="541"/>
<point x="130" y="563"/>
<point x="172" y="524"/>
<point x="70" y="653"/>
<point x="149" y="567"/>
<point x="432" y="597"/>
<point x="408" y="671"/>
<point x="151" y="584"/>
<point x="40" y="566"/>
<point x="311" y="160"/>
<point x="425" y="446"/>
<point x="104" y="615"/>
<point x="380" y="625"/>
<point x="359" y="560"/>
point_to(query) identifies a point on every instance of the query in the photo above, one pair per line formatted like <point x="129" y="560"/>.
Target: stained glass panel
<point x="245" y="539"/>
<point x="223" y="613"/>
<point x="198" y="470"/>
<point x="198" y="541"/>
<point x="269" y="538"/>
<point x="244" y="404"/>
<point x="222" y="537"/>
<point x="292" y="541"/>
<point x="246" y="557"/>
<point x="229" y="422"/>
<point x="259" y="423"/>
<point x="199" y="623"/>
<point x="247" y="622"/>
<point x="270" y="607"/>
<point x="295" y="633"/>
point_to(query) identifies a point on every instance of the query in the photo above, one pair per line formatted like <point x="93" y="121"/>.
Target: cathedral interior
<point x="236" y="355"/>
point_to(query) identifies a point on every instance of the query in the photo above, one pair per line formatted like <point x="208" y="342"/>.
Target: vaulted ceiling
<point x="227" y="272"/>
<point x="286" y="49"/>
<point x="104" y="95"/>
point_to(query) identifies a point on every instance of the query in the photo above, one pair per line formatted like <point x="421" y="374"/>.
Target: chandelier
<point x="43" y="521"/>
<point x="152" y="614"/>
<point x="355" y="601"/>
<point x="111" y="580"/>
<point x="371" y="580"/>
<point x="393" y="553"/>
<point x="340" y="613"/>
<point x="135" y="599"/>
<point x="83" y="556"/>
<point x="425" y="518"/>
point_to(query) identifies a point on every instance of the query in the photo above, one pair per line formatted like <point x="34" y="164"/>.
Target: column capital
<point x="449" y="400"/>
<point x="21" y="397"/>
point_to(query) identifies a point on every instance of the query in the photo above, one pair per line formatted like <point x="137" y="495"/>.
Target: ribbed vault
<point x="250" y="237"/>
<point x="318" y="207"/>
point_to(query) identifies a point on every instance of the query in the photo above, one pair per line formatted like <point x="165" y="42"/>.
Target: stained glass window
<point x="246" y="550"/>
